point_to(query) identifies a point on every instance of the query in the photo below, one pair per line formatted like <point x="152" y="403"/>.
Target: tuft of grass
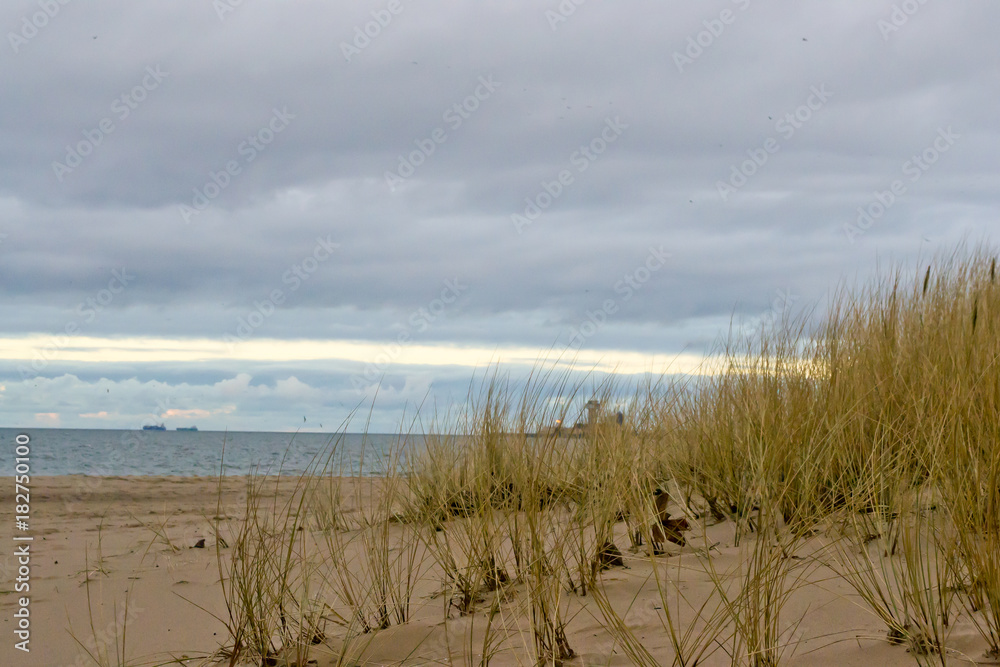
<point x="109" y="646"/>
<point x="272" y="578"/>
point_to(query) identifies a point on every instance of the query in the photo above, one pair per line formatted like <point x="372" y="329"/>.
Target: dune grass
<point x="863" y="438"/>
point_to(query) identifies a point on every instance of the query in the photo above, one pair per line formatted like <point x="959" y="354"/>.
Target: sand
<point x="135" y="538"/>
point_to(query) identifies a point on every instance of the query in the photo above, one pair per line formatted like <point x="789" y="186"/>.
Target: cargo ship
<point x="154" y="427"/>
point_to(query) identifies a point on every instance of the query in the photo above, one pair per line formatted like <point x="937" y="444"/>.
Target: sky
<point x="254" y="215"/>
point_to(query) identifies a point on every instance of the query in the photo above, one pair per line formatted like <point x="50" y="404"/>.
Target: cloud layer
<point x="496" y="175"/>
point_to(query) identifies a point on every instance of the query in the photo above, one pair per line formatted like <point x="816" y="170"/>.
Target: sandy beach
<point x="459" y="334"/>
<point x="135" y="539"/>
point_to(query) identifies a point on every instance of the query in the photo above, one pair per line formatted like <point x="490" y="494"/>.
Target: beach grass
<point x="860" y="440"/>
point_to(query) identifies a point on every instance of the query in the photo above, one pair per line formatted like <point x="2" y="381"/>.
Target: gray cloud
<point x="172" y="104"/>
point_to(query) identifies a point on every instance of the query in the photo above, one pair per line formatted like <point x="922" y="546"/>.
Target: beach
<point x="135" y="539"/>
<point x="563" y="334"/>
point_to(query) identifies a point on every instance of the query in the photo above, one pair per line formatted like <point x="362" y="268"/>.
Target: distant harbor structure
<point x="595" y="412"/>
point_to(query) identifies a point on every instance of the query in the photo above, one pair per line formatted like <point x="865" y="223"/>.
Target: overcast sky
<point x="239" y="214"/>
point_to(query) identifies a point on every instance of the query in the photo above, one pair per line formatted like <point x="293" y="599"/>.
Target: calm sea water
<point x="106" y="452"/>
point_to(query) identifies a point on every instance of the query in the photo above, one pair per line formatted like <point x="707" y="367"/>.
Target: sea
<point x="65" y="451"/>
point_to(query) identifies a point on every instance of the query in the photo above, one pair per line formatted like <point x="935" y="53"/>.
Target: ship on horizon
<point x="187" y="428"/>
<point x="154" y="427"/>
